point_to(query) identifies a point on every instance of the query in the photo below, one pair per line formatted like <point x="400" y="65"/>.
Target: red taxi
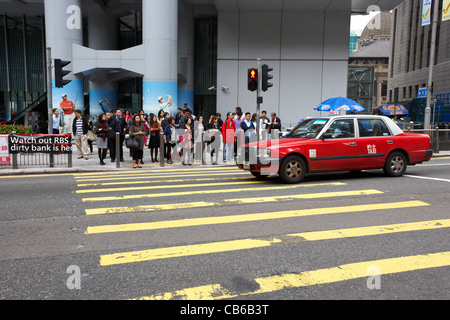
<point x="338" y="143"/>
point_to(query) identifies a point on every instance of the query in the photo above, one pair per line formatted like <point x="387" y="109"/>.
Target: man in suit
<point x="116" y="124"/>
<point x="276" y="123"/>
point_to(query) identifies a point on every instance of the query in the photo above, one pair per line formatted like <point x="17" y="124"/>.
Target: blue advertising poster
<point x="160" y="96"/>
<point x="100" y="102"/>
<point x="67" y="100"/>
<point x="74" y="93"/>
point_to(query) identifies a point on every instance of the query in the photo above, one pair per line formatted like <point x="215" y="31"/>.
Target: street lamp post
<point x="427" y="117"/>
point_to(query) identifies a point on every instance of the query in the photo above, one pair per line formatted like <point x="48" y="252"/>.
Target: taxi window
<point x="342" y="128"/>
<point x="372" y="128"/>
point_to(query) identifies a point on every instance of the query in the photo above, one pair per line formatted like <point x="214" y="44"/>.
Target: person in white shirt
<point x="56" y="121"/>
<point x="264" y="123"/>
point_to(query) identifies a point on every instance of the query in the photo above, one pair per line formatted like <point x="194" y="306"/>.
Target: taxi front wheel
<point x="395" y="165"/>
<point x="292" y="169"/>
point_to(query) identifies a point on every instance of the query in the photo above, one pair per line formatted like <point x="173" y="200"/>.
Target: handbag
<point x="91" y="136"/>
<point x="132" y="143"/>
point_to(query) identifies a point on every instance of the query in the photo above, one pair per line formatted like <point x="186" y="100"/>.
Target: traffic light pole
<point x="259" y="100"/>
<point x="50" y="99"/>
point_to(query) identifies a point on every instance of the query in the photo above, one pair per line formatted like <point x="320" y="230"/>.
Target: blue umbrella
<point x="340" y="104"/>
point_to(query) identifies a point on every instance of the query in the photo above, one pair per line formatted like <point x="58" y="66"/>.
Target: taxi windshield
<point x="309" y="129"/>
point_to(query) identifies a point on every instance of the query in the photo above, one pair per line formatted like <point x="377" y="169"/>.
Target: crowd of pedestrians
<point x="185" y="137"/>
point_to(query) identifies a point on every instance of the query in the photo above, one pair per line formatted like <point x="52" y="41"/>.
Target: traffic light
<point x="266" y="77"/>
<point x="252" y="79"/>
<point x="60" y="73"/>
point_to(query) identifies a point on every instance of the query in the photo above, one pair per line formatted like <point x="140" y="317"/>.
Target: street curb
<point x="21" y="172"/>
<point x="37" y="171"/>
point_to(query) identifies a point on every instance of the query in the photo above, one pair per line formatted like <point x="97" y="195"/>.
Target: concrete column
<point x="160" y="39"/>
<point x="63" y="27"/>
<point x="186" y="45"/>
<point x="103" y="95"/>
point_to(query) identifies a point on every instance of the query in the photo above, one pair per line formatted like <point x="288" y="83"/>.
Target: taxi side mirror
<point x="326" y="135"/>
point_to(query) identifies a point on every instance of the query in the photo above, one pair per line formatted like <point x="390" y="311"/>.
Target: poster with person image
<point x="67" y="100"/>
<point x="160" y="96"/>
<point x="100" y="102"/>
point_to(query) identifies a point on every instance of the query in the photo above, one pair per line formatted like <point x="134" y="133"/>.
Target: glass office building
<point x="159" y="54"/>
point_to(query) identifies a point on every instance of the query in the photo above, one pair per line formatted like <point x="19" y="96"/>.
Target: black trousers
<point x="112" y="147"/>
<point x="168" y="150"/>
<point x="137" y="154"/>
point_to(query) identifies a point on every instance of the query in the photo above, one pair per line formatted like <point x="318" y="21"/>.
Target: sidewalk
<point x="441" y="154"/>
<point x="93" y="165"/>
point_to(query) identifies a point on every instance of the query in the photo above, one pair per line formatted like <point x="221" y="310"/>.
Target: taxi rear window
<point x="373" y="128"/>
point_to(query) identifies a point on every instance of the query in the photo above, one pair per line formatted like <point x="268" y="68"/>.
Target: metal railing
<point x="37" y="160"/>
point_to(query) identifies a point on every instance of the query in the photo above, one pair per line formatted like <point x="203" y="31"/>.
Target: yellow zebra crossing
<point x="233" y="180"/>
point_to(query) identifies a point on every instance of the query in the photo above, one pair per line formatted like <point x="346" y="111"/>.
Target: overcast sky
<point x="358" y="22"/>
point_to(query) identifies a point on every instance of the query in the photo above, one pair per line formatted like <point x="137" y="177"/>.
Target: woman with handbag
<point x="137" y="132"/>
<point x="155" y="128"/>
<point x="102" y="138"/>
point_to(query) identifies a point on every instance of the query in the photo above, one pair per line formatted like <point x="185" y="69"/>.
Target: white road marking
<point x="427" y="178"/>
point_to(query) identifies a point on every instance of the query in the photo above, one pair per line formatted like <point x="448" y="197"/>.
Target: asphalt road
<point x="189" y="233"/>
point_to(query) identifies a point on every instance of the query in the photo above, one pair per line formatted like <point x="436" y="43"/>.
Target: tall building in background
<point x="410" y="56"/>
<point x="369" y="62"/>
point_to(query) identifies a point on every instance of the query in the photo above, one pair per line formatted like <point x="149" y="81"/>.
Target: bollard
<point x="161" y="149"/>
<point x="52" y="160"/>
<point x="69" y="160"/>
<point x="437" y="140"/>
<point x="446" y="134"/>
<point x="202" y="157"/>
<point x="118" y="155"/>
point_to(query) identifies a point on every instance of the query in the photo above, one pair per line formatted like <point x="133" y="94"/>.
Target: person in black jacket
<point x="80" y="128"/>
<point x="116" y="124"/>
<point x="276" y="123"/>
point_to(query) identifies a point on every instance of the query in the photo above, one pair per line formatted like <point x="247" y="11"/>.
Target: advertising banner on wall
<point x="100" y="102"/>
<point x="70" y="98"/>
<point x="446" y="10"/>
<point x="160" y="96"/>
<point x="426" y="12"/>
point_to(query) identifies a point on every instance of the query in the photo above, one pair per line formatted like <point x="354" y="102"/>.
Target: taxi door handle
<point x="390" y="142"/>
<point x="352" y="143"/>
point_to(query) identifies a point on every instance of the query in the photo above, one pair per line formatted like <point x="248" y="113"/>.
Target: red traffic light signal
<point x="252" y="79"/>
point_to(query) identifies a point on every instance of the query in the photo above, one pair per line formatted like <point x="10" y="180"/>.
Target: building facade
<point x="369" y="64"/>
<point x="130" y="54"/>
<point x="410" y="53"/>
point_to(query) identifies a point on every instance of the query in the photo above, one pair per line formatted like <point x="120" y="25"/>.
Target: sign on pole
<point x="426" y="12"/>
<point x="423" y="92"/>
<point x="445" y="10"/>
